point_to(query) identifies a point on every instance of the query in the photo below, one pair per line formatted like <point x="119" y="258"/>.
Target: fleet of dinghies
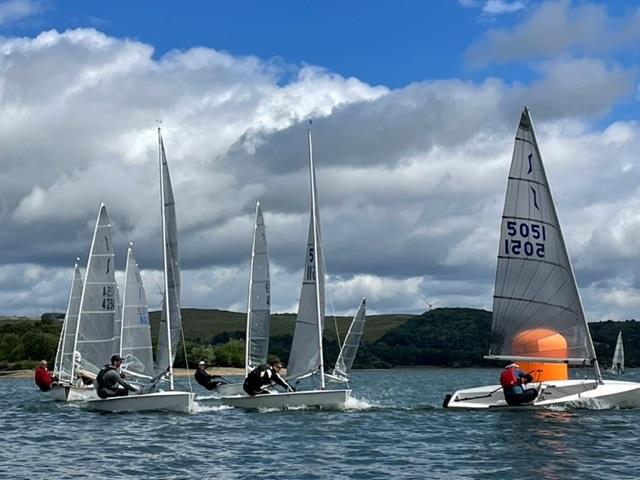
<point x="538" y="317"/>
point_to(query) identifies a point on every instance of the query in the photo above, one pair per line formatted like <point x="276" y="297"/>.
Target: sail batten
<point x="535" y="288"/>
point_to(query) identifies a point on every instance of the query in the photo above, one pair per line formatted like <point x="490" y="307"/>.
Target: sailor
<point x="43" y="377"/>
<point x="205" y="379"/>
<point x="512" y="380"/>
<point x="110" y="382"/>
<point x="265" y="376"/>
<point x="619" y="368"/>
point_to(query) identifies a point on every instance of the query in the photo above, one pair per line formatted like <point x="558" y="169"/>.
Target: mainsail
<point x="351" y="342"/>
<point x="306" y="349"/>
<point x="617" y="362"/>
<point x="537" y="311"/>
<point x="117" y="322"/>
<point x="136" y="334"/>
<point x="259" y="298"/>
<point x="171" y="321"/>
<point x="94" y="334"/>
<point x="64" y="355"/>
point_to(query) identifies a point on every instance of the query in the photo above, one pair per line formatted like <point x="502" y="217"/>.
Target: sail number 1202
<point x="525" y="239"/>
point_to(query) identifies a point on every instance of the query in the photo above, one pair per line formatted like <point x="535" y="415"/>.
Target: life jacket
<point x="258" y="377"/>
<point x="201" y="376"/>
<point x="100" y="377"/>
<point x="43" y="379"/>
<point x="508" y="378"/>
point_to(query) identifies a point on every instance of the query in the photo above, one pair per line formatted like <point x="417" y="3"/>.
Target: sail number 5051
<point x="525" y="239"/>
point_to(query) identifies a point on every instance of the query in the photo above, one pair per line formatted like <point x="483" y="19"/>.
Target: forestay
<point x="171" y="320"/>
<point x="64" y="355"/>
<point x="617" y="363"/>
<point x="259" y="298"/>
<point x="95" y="335"/>
<point x="136" y="333"/>
<point x="535" y="284"/>
<point x="306" y="348"/>
<point x="351" y="342"/>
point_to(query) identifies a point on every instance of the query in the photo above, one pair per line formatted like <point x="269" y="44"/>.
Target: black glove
<point x="122" y="375"/>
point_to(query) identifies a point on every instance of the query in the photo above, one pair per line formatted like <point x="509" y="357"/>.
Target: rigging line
<point x="186" y="360"/>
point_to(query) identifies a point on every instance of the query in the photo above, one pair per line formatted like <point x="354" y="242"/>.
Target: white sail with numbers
<point x="64" y="355"/>
<point x="306" y="356"/>
<point x="259" y="298"/>
<point x="535" y="284"/>
<point x="136" y="333"/>
<point x="95" y="331"/>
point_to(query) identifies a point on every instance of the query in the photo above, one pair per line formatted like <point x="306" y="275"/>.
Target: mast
<point x="596" y="366"/>
<point x="249" y="299"/>
<point x="164" y="251"/>
<point x="315" y="259"/>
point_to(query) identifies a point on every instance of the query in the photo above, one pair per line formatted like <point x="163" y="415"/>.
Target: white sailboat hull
<point x="611" y="393"/>
<point x="309" y="398"/>
<point x="167" y="401"/>
<point x="67" y="393"/>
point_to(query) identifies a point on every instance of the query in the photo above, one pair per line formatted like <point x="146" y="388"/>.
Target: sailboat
<point x="258" y="306"/>
<point x="617" y="362"/>
<point x="68" y="388"/>
<point x="306" y="358"/>
<point x="171" y="322"/>
<point x="538" y="318"/>
<point x="350" y="346"/>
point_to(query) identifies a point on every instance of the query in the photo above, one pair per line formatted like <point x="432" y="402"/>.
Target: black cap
<point x="116" y="358"/>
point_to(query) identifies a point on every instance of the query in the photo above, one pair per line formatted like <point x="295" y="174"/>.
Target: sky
<point x="414" y="107"/>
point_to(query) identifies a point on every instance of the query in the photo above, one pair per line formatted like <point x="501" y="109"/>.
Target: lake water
<point x="395" y="429"/>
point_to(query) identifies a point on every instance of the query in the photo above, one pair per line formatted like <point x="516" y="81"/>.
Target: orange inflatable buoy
<point x="544" y="343"/>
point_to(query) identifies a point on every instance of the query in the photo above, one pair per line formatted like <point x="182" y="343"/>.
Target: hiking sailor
<point x="512" y="380"/>
<point x="265" y="376"/>
<point x="110" y="382"/>
<point x="205" y="379"/>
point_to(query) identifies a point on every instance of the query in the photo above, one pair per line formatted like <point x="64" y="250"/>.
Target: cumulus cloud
<point x="411" y="181"/>
<point x="556" y="28"/>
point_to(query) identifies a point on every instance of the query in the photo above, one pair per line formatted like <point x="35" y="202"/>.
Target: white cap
<point x="201" y="362"/>
<point x="514" y="365"/>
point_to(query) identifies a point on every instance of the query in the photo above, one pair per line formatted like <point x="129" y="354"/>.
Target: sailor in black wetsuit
<point x="265" y="376"/>
<point x="205" y="379"/>
<point x="110" y="382"/>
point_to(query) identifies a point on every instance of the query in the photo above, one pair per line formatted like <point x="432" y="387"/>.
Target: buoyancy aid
<point x="508" y="378"/>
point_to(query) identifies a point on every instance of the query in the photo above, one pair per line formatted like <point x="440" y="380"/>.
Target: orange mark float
<point x="545" y="343"/>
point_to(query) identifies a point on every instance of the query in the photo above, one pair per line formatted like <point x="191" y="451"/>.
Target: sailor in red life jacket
<point x="512" y="380"/>
<point x="43" y="377"/>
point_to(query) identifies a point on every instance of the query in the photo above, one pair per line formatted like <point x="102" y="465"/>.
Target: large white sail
<point x="136" y="333"/>
<point x="617" y="362"/>
<point x="259" y="298"/>
<point x="64" y="355"/>
<point x="306" y="348"/>
<point x="351" y="342"/>
<point x="94" y="334"/>
<point x="535" y="284"/>
<point x="171" y="321"/>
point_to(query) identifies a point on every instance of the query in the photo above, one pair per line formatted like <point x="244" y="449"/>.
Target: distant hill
<point x="444" y="336"/>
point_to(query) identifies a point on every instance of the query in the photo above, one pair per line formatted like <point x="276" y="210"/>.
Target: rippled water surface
<point x="396" y="428"/>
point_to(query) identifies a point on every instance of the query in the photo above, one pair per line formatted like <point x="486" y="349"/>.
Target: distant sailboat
<point x="170" y="325"/>
<point x="350" y="346"/>
<point x="617" y="363"/>
<point x="258" y="306"/>
<point x="306" y="357"/>
<point x="538" y="318"/>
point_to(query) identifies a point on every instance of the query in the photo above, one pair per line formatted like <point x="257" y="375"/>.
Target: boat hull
<point x="67" y="393"/>
<point x="310" y="398"/>
<point x="229" y="389"/>
<point x="165" y="401"/>
<point x="611" y="393"/>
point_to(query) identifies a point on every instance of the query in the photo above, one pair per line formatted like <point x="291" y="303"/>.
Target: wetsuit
<point x="208" y="381"/>
<point x="43" y="378"/>
<point x="263" y="376"/>
<point x="517" y="394"/>
<point x="109" y="382"/>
